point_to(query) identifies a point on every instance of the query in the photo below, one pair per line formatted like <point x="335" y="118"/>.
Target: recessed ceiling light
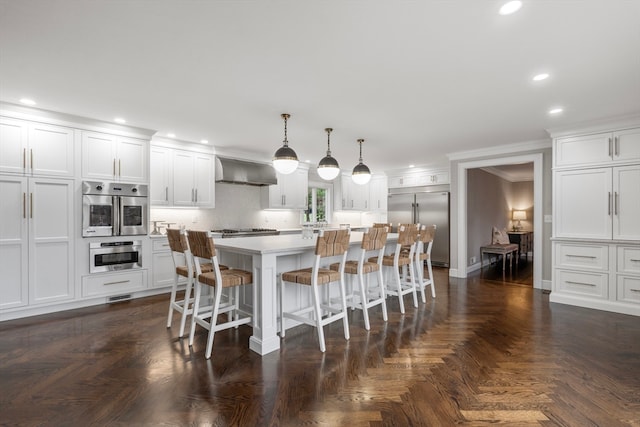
<point x="120" y="120"/>
<point x="204" y="141"/>
<point x="27" y="101"/>
<point x="556" y="110"/>
<point x="171" y="135"/>
<point x="541" y="76"/>
<point x="510" y="7"/>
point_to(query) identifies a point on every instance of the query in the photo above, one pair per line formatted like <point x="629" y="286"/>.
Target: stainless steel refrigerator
<point x="430" y="205"/>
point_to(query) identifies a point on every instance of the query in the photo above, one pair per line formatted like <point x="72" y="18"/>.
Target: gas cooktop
<point x="244" y="232"/>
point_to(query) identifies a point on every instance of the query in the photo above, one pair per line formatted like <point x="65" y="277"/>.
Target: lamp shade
<point x="328" y="167"/>
<point x="361" y="173"/>
<point x="519" y="215"/>
<point x="285" y="160"/>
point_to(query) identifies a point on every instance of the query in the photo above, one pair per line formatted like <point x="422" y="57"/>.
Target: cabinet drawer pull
<point x="610" y="148"/>
<point x="31" y="158"/>
<point x="616" y="203"/>
<point x="166" y="244"/>
<point x="617" y="145"/>
<point x="609" y="211"/>
<point x="166" y="194"/>
<point x="31" y="205"/>
<point x="196" y="193"/>
<point x="634" y="290"/>
<point x="117" y="283"/>
<point x="24" y="205"/>
<point x="634" y="260"/>
<point x="581" y="256"/>
<point x="580" y="283"/>
<point x="24" y="158"/>
<point x="114" y="166"/>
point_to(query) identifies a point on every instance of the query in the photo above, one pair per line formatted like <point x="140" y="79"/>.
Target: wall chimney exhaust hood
<point x="236" y="171"/>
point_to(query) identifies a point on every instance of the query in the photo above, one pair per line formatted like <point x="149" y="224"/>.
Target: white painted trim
<point x="596" y="126"/>
<point x="537" y="160"/>
<point x="606" y="305"/>
<point x="546" y="284"/>
<point x="501" y="150"/>
<point x="506" y="175"/>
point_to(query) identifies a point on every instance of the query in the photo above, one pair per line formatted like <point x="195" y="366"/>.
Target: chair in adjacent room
<point x="184" y="268"/>
<point x="203" y="248"/>
<point x="374" y="239"/>
<point x="333" y="243"/>
<point x="426" y="233"/>
<point x="402" y="260"/>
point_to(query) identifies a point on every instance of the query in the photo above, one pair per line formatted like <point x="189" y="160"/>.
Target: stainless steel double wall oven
<point x="114" y="209"/>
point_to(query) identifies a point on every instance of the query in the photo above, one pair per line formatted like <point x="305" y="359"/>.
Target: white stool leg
<point x="383" y="295"/>
<point x="363" y="302"/>
<point x="185" y="306"/>
<point x="318" y="313"/>
<point x="194" y="315"/>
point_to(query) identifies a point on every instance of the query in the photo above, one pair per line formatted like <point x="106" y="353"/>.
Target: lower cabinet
<point x="36" y="241"/>
<point x="163" y="270"/>
<point x="114" y="284"/>
<point x="597" y="275"/>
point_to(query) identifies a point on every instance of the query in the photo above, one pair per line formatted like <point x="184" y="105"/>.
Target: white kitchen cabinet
<point x="160" y="176"/>
<point x="114" y="284"/>
<point x="193" y="179"/>
<point x="36" y="241"/>
<point x="291" y="191"/>
<point x="599" y="203"/>
<point x="163" y="270"/>
<point x="32" y="148"/>
<point x="378" y="193"/>
<point x="598" y="148"/>
<point x="419" y="178"/>
<point x="114" y="157"/>
<point x="351" y="196"/>
<point x="596" y="231"/>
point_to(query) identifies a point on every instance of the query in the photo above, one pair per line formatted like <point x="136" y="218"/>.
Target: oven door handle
<point x="116" y="215"/>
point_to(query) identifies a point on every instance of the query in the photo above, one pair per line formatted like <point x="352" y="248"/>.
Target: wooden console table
<point x="524" y="239"/>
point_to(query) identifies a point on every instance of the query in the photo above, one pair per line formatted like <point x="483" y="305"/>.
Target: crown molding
<point x="501" y="150"/>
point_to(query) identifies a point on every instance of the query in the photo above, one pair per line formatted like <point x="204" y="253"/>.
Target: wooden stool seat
<point x="351" y="266"/>
<point x="230" y="278"/>
<point x="305" y="276"/>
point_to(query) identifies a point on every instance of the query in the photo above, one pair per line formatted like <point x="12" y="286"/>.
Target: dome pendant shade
<point x="361" y="173"/>
<point x="285" y="159"/>
<point x="328" y="167"/>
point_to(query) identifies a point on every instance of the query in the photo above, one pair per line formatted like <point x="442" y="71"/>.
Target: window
<point x="318" y="206"/>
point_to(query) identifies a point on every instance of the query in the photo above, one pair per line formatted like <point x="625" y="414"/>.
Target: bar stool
<point x="402" y="259"/>
<point x="374" y="239"/>
<point x="331" y="243"/>
<point x="203" y="247"/>
<point x="183" y="263"/>
<point x="426" y="234"/>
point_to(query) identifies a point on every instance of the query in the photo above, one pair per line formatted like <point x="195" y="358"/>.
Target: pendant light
<point x="285" y="160"/>
<point x="361" y="173"/>
<point x="328" y="167"/>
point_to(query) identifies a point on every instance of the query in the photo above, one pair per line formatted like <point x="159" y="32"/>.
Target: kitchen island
<point x="266" y="257"/>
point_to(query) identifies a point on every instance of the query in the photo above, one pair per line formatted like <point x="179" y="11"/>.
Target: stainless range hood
<point x="236" y="171"/>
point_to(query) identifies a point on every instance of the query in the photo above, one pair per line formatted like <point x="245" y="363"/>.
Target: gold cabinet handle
<point x="31" y="205"/>
<point x="24" y="205"/>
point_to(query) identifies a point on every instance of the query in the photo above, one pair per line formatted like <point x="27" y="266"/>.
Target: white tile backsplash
<point x="238" y="206"/>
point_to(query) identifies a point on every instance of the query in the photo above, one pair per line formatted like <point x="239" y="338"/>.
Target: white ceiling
<point x="415" y="79"/>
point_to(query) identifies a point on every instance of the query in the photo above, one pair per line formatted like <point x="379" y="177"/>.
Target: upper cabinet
<point x="291" y="192"/>
<point x="32" y="148"/>
<point x="419" y="178"/>
<point x="114" y="157"/>
<point x="378" y="193"/>
<point x="181" y="178"/>
<point x="353" y="197"/>
<point x="598" y="149"/>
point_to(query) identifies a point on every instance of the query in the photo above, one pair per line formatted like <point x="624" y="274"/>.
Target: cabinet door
<point x="378" y="194"/>
<point x="627" y="145"/>
<point x="14" y="248"/>
<point x="296" y="187"/>
<point x="204" y="195"/>
<point x="51" y="150"/>
<point x="131" y="160"/>
<point x="183" y="186"/>
<point x="163" y="270"/>
<point x="583" y="204"/>
<point x="51" y="266"/>
<point x="584" y="150"/>
<point x="160" y="176"/>
<point x="98" y="156"/>
<point x="626" y="191"/>
<point x="13" y="145"/>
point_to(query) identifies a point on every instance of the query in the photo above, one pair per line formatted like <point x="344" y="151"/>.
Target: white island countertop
<point x="269" y="256"/>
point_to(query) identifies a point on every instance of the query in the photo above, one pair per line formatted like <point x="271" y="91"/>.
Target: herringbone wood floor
<point x="481" y="353"/>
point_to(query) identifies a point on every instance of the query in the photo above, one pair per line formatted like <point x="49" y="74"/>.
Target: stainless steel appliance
<point x="424" y="205"/>
<point x="246" y="232"/>
<point x="114" y="209"/>
<point x="113" y="256"/>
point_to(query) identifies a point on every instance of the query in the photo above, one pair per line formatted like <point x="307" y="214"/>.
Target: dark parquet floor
<point x="483" y="352"/>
